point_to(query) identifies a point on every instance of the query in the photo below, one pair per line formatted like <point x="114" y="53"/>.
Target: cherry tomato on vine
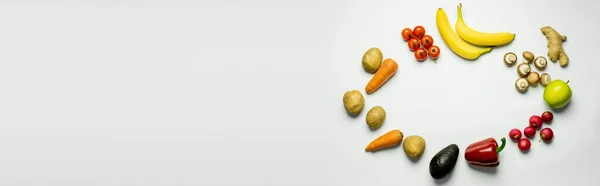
<point x="434" y="52"/>
<point x="421" y="54"/>
<point x="418" y="31"/>
<point x="406" y="34"/>
<point x="426" y="41"/>
<point x="413" y="44"/>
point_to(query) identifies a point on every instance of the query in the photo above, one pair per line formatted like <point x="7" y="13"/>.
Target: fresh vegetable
<point x="484" y="152"/>
<point x="510" y="59"/>
<point x="555" y="46"/>
<point x="557" y="94"/>
<point x="540" y="62"/>
<point x="375" y="117"/>
<point x="529" y="131"/>
<point x="386" y="71"/>
<point x="426" y="41"/>
<point x="413" y="44"/>
<point x="545" y="79"/>
<point x="528" y="56"/>
<point x="387" y="140"/>
<point x="522" y="85"/>
<point x="434" y="52"/>
<point x="406" y="34"/>
<point x="354" y="102"/>
<point x="533" y="78"/>
<point x="546" y="134"/>
<point x="371" y="60"/>
<point x="547" y="116"/>
<point x="421" y="54"/>
<point x="418" y="31"/>
<point x="481" y="38"/>
<point x="458" y="45"/>
<point x="444" y="161"/>
<point x="523" y="69"/>
<point x="515" y="134"/>
<point x="535" y="121"/>
<point x="414" y="146"/>
<point x="524" y="144"/>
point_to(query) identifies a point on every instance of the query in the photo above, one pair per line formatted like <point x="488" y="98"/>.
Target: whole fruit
<point x="524" y="144"/>
<point x="529" y="131"/>
<point x="536" y="121"/>
<point x="547" y="116"/>
<point x="515" y="134"/>
<point x="557" y="93"/>
<point x="420" y="54"/>
<point x="546" y="134"/>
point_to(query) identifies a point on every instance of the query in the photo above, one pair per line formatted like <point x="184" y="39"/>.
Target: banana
<point x="481" y="38"/>
<point x="454" y="42"/>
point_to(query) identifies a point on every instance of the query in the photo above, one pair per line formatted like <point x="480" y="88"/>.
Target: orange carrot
<point x="387" y="69"/>
<point x="389" y="139"/>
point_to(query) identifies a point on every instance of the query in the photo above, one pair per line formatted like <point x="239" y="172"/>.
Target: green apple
<point x="557" y="93"/>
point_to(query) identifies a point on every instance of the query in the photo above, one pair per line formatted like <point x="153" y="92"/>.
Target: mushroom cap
<point x="523" y="69"/>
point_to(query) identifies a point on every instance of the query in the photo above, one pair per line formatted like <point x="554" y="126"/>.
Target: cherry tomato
<point x="421" y="54"/>
<point x="418" y="31"/>
<point x="406" y="34"/>
<point x="434" y="52"/>
<point x="413" y="44"/>
<point x="426" y="41"/>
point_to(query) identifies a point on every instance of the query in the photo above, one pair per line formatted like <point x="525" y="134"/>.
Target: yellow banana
<point x="454" y="42"/>
<point x="481" y="38"/>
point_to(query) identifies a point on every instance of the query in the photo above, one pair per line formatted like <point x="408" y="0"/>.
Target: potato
<point x="414" y="146"/>
<point x="354" y="102"/>
<point x="372" y="59"/>
<point x="375" y="117"/>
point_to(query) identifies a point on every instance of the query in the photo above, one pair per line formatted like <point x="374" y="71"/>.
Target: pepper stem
<point x="501" y="146"/>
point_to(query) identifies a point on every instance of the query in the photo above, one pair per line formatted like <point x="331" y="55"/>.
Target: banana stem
<point x="459" y="11"/>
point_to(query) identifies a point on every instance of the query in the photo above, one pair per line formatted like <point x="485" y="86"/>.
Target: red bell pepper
<point x="484" y="152"/>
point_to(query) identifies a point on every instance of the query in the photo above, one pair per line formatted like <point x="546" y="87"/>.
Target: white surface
<point x="164" y="93"/>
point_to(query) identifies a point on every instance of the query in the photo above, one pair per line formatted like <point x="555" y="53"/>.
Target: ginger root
<point x="555" y="49"/>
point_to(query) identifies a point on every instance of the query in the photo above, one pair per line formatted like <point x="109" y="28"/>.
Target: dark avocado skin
<point x="444" y="161"/>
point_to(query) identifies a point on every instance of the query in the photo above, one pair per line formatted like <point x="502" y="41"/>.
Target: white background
<point x="149" y="93"/>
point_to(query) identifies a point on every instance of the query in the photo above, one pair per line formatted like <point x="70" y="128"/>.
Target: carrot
<point x="387" y="69"/>
<point x="389" y="139"/>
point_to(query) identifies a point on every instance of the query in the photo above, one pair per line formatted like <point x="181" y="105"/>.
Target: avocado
<point x="444" y="161"/>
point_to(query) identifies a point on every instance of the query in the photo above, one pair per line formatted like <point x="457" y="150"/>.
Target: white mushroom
<point x="510" y="58"/>
<point x="545" y="79"/>
<point x="533" y="78"/>
<point x="540" y="62"/>
<point x="528" y="56"/>
<point x="522" y="85"/>
<point x="523" y="69"/>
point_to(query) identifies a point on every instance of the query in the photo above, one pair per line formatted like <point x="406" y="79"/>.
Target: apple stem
<point x="568" y="81"/>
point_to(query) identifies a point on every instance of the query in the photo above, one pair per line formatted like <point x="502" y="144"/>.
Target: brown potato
<point x="372" y="59"/>
<point x="375" y="117"/>
<point x="354" y="102"/>
<point x="414" y="146"/>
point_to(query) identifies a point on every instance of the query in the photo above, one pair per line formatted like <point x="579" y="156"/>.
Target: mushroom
<point x="540" y="62"/>
<point x="521" y="84"/>
<point x="545" y="79"/>
<point x="533" y="78"/>
<point x="528" y="56"/>
<point x="523" y="69"/>
<point x="510" y="58"/>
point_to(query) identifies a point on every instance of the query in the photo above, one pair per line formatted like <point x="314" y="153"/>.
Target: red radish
<point x="535" y="121"/>
<point x="546" y="134"/>
<point x="547" y="116"/>
<point x="524" y="144"/>
<point x="529" y="131"/>
<point x="515" y="134"/>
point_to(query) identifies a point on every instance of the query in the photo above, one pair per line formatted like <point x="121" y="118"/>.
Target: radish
<point x="546" y="134"/>
<point x="515" y="134"/>
<point x="535" y="121"/>
<point x="524" y="144"/>
<point x="529" y="131"/>
<point x="547" y="116"/>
